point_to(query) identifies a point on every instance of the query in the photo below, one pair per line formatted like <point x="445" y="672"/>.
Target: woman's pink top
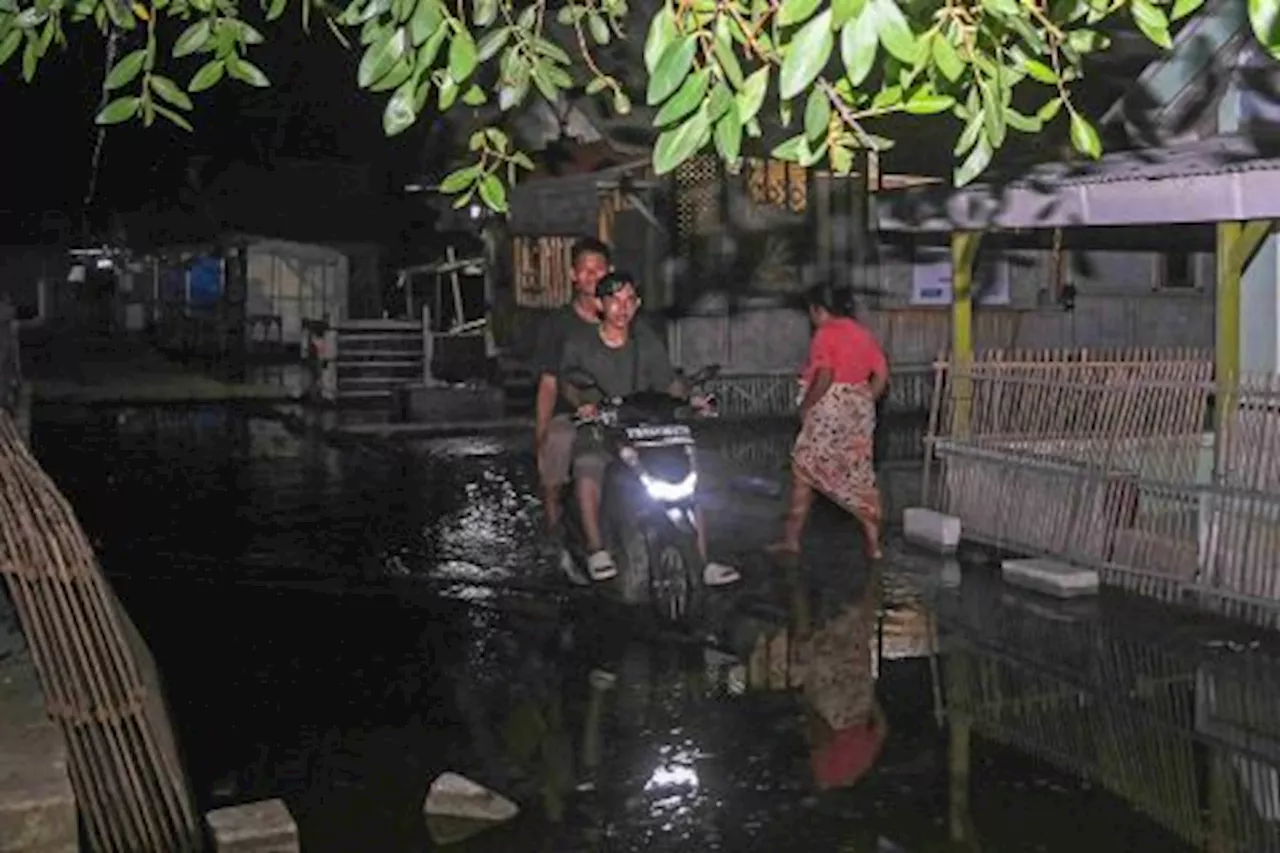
<point x="848" y="349"/>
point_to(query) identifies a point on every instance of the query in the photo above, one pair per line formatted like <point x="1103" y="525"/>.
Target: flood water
<point x="336" y="625"/>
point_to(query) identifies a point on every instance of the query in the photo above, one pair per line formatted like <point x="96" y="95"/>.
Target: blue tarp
<point x="206" y="280"/>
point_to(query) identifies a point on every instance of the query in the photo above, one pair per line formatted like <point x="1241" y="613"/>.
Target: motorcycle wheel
<point x="674" y="592"/>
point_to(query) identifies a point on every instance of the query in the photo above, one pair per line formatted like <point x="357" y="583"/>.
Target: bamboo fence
<point x="1111" y="460"/>
<point x="541" y="270"/>
<point x="98" y="677"/>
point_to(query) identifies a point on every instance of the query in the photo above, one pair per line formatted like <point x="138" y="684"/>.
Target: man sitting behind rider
<point x="622" y="359"/>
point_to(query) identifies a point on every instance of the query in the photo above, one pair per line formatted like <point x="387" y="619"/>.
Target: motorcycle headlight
<point x="628" y="455"/>
<point x="661" y="490"/>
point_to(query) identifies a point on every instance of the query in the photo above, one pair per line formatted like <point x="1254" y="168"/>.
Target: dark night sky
<point x="50" y="132"/>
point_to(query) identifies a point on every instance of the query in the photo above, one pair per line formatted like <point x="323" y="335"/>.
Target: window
<point x="1175" y="271"/>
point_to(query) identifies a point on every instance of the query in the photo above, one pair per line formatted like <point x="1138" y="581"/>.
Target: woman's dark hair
<point x="837" y="301"/>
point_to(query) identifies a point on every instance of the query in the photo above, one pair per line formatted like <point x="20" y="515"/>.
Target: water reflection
<point x="1145" y="708"/>
<point x="813" y="724"/>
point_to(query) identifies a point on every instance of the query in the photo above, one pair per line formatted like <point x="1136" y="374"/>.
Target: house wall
<point x="1116" y="305"/>
<point x="295" y="282"/>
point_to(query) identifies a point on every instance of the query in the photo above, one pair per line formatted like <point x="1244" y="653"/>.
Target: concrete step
<point x="1051" y="577"/>
<point x="931" y="529"/>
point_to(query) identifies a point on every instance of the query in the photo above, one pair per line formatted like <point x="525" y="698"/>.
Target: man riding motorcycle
<point x="553" y="430"/>
<point x="622" y="359"/>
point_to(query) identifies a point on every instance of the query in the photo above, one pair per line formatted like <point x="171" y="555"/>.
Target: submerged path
<point x="336" y="625"/>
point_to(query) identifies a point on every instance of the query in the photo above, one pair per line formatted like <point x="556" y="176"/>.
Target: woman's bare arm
<point x="879" y="383"/>
<point x="821" y="382"/>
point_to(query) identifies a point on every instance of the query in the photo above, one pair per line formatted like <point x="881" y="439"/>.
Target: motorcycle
<point x="648" y="502"/>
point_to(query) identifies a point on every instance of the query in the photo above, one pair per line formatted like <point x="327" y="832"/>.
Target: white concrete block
<point x="263" y="827"/>
<point x="931" y="529"/>
<point x="1051" y="577"/>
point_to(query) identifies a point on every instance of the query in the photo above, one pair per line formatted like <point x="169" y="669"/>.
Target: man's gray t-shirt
<point x="641" y="364"/>
<point x="556" y="328"/>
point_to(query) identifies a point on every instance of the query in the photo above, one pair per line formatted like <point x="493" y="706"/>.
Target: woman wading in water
<point x="846" y="373"/>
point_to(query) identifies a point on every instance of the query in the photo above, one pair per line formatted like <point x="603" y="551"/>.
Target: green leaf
<point x="969" y="136"/>
<point x="177" y="118"/>
<point x="493" y="194"/>
<point x="793" y="150"/>
<point x="430" y="49"/>
<point x="121" y="109"/>
<point x="599" y="30"/>
<point x="462" y="56"/>
<point x="1083" y="136"/>
<point x="1264" y="17"/>
<point x="169" y="91"/>
<point x="662" y="32"/>
<point x="396" y="76"/>
<point x="493" y="41"/>
<point x="474" y="96"/>
<point x="246" y="72"/>
<point x="448" y="92"/>
<point x="399" y="113"/>
<point x="486" y="11"/>
<point x="1022" y="123"/>
<point x="796" y="11"/>
<point x="843" y="11"/>
<point x="719" y="103"/>
<point x="1182" y="8"/>
<point x="976" y="163"/>
<point x="679" y="144"/>
<point x="894" y="31"/>
<point x="193" y="38"/>
<point x="673" y="68"/>
<point x="817" y="115"/>
<point x="1039" y="72"/>
<point x="858" y="46"/>
<point x="209" y="74"/>
<point x="245" y="32"/>
<point x="380" y="56"/>
<point x="275" y="9"/>
<point x="946" y="58"/>
<point x="751" y="97"/>
<point x="1002" y="8"/>
<point x="1087" y="41"/>
<point x="928" y="103"/>
<point x="420" y="95"/>
<point x="807" y="54"/>
<point x="621" y="102"/>
<point x="992" y="113"/>
<point x="426" y="18"/>
<point x="1050" y="110"/>
<point x="9" y="44"/>
<point x="686" y="99"/>
<point x="1151" y="19"/>
<point x="728" y="135"/>
<point x="722" y="47"/>
<point x="124" y="71"/>
<point x="459" y="180"/>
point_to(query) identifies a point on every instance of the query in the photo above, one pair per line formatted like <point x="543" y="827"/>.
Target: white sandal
<point x="718" y="574"/>
<point x="601" y="567"/>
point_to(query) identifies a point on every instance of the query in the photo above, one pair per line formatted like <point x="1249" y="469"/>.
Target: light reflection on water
<point x="677" y="750"/>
